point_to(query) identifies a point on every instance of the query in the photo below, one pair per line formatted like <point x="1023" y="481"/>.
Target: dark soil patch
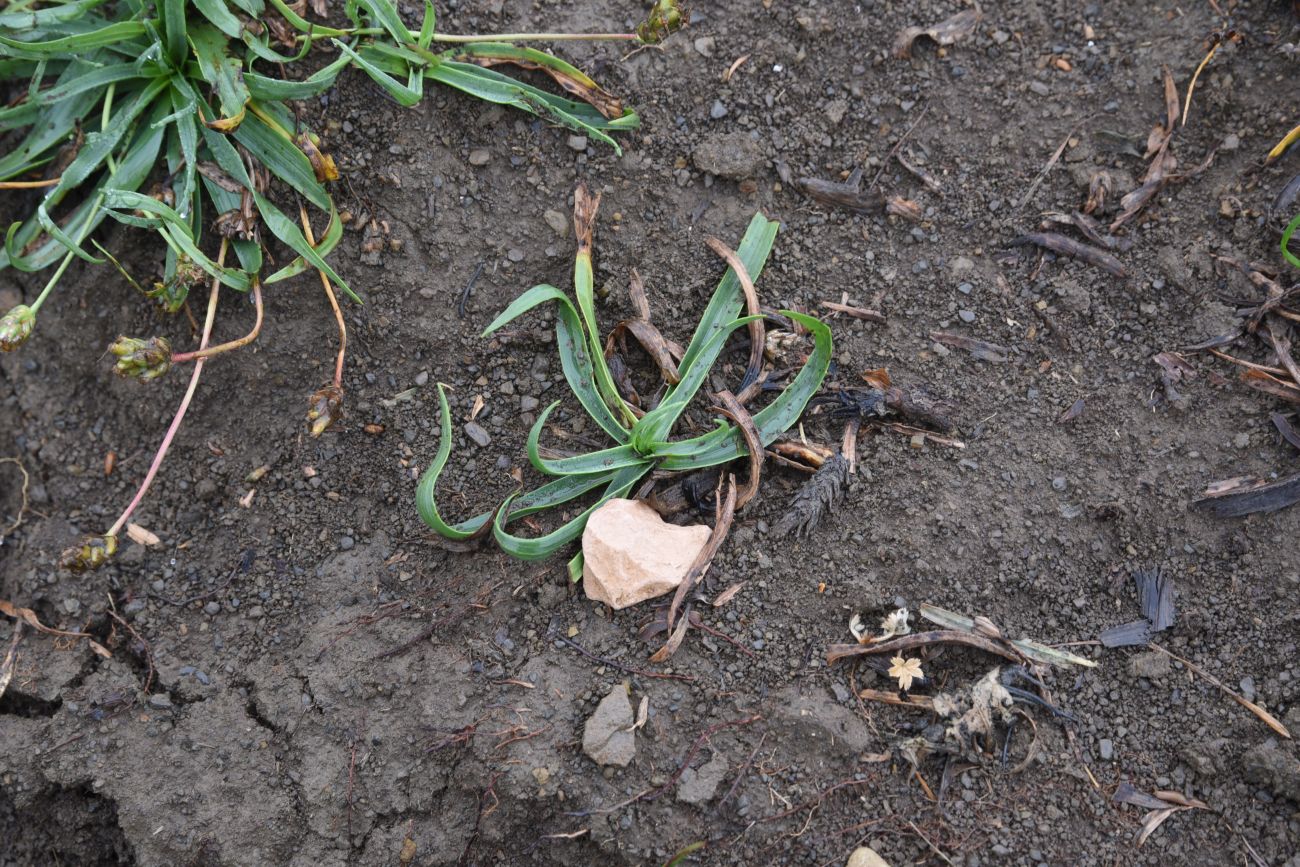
<point x="274" y="735"/>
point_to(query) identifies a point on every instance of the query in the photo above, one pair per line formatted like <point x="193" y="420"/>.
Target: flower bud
<point x="143" y="358"/>
<point x="326" y="408"/>
<point x="15" y="327"/>
<point x="93" y="553"/>
<point x="664" y="20"/>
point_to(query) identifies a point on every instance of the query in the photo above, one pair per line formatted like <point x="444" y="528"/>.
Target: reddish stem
<point x="182" y="357"/>
<point x="185" y="401"/>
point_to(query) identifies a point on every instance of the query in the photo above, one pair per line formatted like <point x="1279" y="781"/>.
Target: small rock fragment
<point x="630" y="554"/>
<point x="578" y="142"/>
<point x="558" y="222"/>
<point x="1273" y="767"/>
<point x="607" y="737"/>
<point x="1152" y="665"/>
<point x="475" y="431"/>
<point x="698" y="787"/>
<point x="160" y="701"/>
<point x="728" y="155"/>
<point x="479" y="156"/>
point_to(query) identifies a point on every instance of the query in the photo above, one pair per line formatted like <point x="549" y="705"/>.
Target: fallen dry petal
<point x="141" y="536"/>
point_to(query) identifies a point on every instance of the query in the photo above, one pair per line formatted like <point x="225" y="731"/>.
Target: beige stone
<point x="630" y="554"/>
<point x="865" y="856"/>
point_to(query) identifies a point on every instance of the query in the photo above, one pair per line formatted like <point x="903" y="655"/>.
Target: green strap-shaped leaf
<point x="385" y="14"/>
<point x="18" y="22"/>
<point x="547" y="496"/>
<point x="302" y="24"/>
<point x="594" y="462"/>
<point x="174" y="228"/>
<point x="84" y="78"/>
<point x="262" y="87"/>
<point x="728" y="299"/>
<point x="584" y="290"/>
<point x="219" y="68"/>
<point x="174" y="24"/>
<point x="110" y="35"/>
<point x="282" y="158"/>
<point x="545" y="546"/>
<point x="574" y="357"/>
<point x="221" y="17"/>
<point x="186" y="128"/>
<point x="725" y="443"/>
<point x="324" y="245"/>
<point x="99" y="145"/>
<point x="1286" y="241"/>
<point x="287" y="231"/>
<point x="406" y="95"/>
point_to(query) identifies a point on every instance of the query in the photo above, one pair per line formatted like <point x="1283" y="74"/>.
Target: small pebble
<point x="212" y="608"/>
<point x="346" y="543"/>
<point x="718" y="111"/>
<point x="1106" y="749"/>
<point x="479" y="156"/>
<point x="966" y="315"/>
<point x="475" y="432"/>
<point x="578" y="142"/>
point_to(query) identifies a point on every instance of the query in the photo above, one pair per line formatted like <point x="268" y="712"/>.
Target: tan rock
<point x="865" y="856"/>
<point x="630" y="554"/>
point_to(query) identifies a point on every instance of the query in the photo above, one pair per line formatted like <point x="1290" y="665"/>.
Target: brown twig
<point x="614" y="663"/>
<point x="744" y="769"/>
<point x="334" y="303"/>
<point x="721" y="526"/>
<point x="897" y="147"/>
<point x="836" y="652"/>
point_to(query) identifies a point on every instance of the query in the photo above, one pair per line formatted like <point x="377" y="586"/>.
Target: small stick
<point x="855" y="312"/>
<point x="1249" y="705"/>
<point x="898" y="146"/>
<point x="613" y="663"/>
<point x="1033" y="188"/>
<point x="744" y="769"/>
<point x="756" y="333"/>
<point x="933" y="847"/>
<point x="464" y="293"/>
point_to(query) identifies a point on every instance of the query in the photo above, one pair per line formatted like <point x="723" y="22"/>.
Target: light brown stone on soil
<point x="630" y="554"/>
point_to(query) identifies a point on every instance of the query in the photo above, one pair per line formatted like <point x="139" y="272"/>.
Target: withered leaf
<point x="981" y="349"/>
<point x="1067" y="247"/>
<point x="322" y="164"/>
<point x="577" y="84"/>
<point x="946" y="32"/>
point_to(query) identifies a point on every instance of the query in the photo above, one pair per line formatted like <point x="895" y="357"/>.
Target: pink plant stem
<point x="185" y="403"/>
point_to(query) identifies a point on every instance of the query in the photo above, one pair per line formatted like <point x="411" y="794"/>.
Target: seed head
<point x="15" y="327"/>
<point x="326" y="408"/>
<point x="664" y="20"/>
<point x="93" y="552"/>
<point x="143" y="358"/>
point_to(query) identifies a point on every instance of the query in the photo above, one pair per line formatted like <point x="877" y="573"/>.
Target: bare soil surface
<point x="323" y="684"/>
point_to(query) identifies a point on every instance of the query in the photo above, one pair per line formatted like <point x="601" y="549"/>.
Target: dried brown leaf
<point x="1068" y="247"/>
<point x="29" y="617"/>
<point x="946" y="32"/>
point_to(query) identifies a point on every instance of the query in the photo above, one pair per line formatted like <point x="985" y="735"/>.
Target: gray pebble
<point x="475" y="432"/>
<point x="160" y="700"/>
<point x="578" y="142"/>
<point x="212" y="608"/>
<point x="1106" y="749"/>
<point x="479" y="157"/>
<point x="966" y="315"/>
<point x="718" y="111"/>
<point x="346" y="543"/>
<point x="422" y="377"/>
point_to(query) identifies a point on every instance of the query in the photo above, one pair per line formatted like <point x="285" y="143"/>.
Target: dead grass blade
<point x="756" y="334"/>
<point x="22" y="509"/>
<point x="1285" y="428"/>
<point x="584" y="88"/>
<point x="920" y="702"/>
<point x="585" y="206"/>
<point x="981" y="349"/>
<point x="1255" y="377"/>
<point x="1280" y="340"/>
<point x="1268" y="719"/>
<point x="946" y="32"/>
<point x="836" y="652"/>
<point x="1075" y="410"/>
<point x="29" y="617"/>
<point x="741" y="418"/>
<point x="721" y="526"/>
<point x="660" y="349"/>
<point x="640" y="301"/>
<point x="1246" y="495"/>
<point x="1065" y="246"/>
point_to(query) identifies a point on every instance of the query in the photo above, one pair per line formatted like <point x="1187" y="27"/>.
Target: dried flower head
<point x="906" y="671"/>
<point x="15" y="327"/>
<point x="325" y="409"/>
<point x="142" y="358"/>
<point x="172" y="292"/>
<point x="93" y="552"/>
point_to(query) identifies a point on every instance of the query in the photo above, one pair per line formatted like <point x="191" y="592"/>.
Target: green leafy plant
<point x="174" y="117"/>
<point x="641" y="444"/>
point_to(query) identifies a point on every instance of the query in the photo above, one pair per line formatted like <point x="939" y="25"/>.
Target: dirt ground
<point x="263" y="726"/>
